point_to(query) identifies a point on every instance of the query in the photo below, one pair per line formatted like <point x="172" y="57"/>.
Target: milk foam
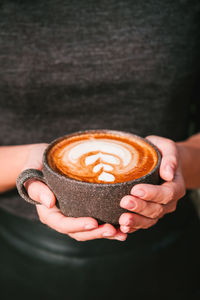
<point x="104" y="176"/>
<point x="117" y="148"/>
<point x="103" y="158"/>
<point x="108" y="153"/>
<point x="100" y="166"/>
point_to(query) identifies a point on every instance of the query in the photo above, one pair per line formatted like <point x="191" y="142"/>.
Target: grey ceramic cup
<point x="82" y="199"/>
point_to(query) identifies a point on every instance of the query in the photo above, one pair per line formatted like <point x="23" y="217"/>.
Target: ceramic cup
<point x="77" y="198"/>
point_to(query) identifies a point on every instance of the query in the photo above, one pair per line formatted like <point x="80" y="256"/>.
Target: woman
<point x="121" y="65"/>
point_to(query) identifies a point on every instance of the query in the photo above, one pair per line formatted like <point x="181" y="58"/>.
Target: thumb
<point x="40" y="192"/>
<point x="37" y="190"/>
<point x="169" y="153"/>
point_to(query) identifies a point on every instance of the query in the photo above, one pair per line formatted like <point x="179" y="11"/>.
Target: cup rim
<point x="119" y="132"/>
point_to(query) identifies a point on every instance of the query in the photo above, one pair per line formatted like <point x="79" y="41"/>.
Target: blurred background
<point x="196" y="199"/>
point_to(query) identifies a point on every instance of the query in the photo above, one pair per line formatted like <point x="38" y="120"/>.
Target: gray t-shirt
<point x="67" y="66"/>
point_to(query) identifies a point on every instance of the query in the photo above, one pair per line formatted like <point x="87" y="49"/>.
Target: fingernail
<point x="120" y="238"/>
<point x="107" y="233"/>
<point x="125" y="222"/>
<point x="125" y="229"/>
<point x="90" y="226"/>
<point x="139" y="193"/>
<point x="131" y="204"/>
<point x="45" y="200"/>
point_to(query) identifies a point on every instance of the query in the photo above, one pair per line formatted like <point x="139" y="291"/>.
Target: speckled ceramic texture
<point x="80" y="199"/>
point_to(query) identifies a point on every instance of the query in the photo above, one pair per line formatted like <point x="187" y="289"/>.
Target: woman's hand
<point x="81" y="229"/>
<point x="148" y="203"/>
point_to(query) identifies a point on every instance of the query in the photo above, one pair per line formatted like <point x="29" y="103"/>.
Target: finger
<point x="158" y="194"/>
<point x="120" y="236"/>
<point x="135" y="221"/>
<point x="142" y="207"/>
<point x="40" y="192"/>
<point x="103" y="231"/>
<point x="169" y="153"/>
<point x="129" y="229"/>
<point x="57" y="221"/>
<point x="170" y="207"/>
<point x="164" y="193"/>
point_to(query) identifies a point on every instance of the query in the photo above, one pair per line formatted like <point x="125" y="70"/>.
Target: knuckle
<point x="155" y="221"/>
<point x="157" y="212"/>
<point x="161" y="211"/>
<point x="172" y="158"/>
<point x="42" y="219"/>
<point x="141" y="206"/>
<point x="154" y="214"/>
<point x="172" y="209"/>
<point x="150" y="224"/>
<point x="164" y="201"/>
<point x="169" y="196"/>
<point x="146" y="226"/>
<point x="79" y="238"/>
<point x="136" y="225"/>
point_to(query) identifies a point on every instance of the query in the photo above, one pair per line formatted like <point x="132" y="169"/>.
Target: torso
<point x="123" y="65"/>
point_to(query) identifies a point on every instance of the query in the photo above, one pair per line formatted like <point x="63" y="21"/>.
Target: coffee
<point x="102" y="157"/>
<point x="89" y="172"/>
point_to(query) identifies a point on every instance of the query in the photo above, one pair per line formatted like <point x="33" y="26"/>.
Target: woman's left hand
<point x="148" y="203"/>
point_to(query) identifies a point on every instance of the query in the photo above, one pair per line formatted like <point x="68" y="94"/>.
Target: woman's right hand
<point x="81" y="229"/>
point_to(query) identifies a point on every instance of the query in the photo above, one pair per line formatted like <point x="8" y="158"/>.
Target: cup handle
<point x="23" y="177"/>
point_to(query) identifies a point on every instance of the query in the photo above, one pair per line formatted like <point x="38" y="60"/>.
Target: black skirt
<point x="36" y="262"/>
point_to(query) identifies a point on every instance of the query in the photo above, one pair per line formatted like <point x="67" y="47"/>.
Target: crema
<point x="102" y="157"/>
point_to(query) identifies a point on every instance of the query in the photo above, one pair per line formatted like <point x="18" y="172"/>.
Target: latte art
<point x="102" y="157"/>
